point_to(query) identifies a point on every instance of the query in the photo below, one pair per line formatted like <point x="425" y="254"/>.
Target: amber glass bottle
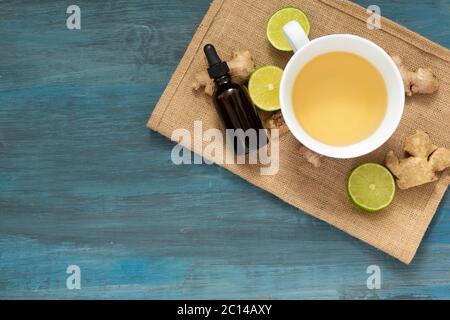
<point x="234" y="105"/>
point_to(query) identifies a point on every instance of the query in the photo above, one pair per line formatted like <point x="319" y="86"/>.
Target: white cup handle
<point x="295" y="35"/>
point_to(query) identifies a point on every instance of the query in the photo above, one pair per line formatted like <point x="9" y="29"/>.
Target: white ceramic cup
<point x="306" y="50"/>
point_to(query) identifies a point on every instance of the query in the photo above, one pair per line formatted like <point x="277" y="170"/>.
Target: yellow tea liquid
<point x="339" y="98"/>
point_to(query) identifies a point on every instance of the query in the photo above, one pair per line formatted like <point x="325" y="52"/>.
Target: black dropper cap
<point x="217" y="67"/>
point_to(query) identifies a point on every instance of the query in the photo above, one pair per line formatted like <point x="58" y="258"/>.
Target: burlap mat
<point x="238" y="24"/>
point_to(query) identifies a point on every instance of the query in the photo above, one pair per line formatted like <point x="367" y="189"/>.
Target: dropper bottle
<point x="234" y="105"/>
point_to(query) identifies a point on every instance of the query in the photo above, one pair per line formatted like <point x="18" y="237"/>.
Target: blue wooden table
<point x="83" y="182"/>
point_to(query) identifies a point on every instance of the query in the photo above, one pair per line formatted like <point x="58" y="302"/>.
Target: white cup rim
<point x="390" y="123"/>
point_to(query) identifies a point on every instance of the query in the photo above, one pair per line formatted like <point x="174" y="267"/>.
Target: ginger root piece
<point x="276" y="121"/>
<point x="311" y="156"/>
<point x="241" y="67"/>
<point x="440" y="159"/>
<point x="426" y="159"/>
<point x="423" y="81"/>
<point x="410" y="172"/>
<point x="201" y="80"/>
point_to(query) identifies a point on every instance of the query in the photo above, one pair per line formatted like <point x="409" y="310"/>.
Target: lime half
<point x="264" y="87"/>
<point x="371" y="187"/>
<point x="278" y="20"/>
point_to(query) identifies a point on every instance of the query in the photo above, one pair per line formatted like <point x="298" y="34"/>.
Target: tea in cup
<point x="341" y="95"/>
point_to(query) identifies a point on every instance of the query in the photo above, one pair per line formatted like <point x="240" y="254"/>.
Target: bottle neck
<point x="222" y="80"/>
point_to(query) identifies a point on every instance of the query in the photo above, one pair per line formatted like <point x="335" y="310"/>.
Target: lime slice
<point x="371" y="187"/>
<point x="264" y="87"/>
<point x="278" y="20"/>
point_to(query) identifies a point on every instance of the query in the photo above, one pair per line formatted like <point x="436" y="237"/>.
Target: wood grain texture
<point x="82" y="181"/>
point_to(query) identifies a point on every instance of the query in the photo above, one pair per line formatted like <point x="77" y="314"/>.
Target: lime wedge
<point x="264" y="87"/>
<point x="278" y="20"/>
<point x="371" y="187"/>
